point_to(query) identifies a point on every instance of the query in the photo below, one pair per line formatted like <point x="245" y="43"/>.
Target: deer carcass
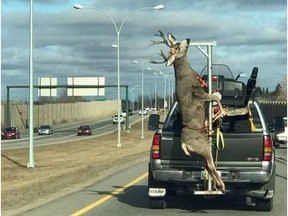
<point x="191" y="99"/>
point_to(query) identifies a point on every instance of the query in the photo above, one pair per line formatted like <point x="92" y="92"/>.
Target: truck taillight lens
<point x="214" y="78"/>
<point x="155" y="150"/>
<point x="268" y="148"/>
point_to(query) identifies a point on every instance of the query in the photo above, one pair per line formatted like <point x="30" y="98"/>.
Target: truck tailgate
<point x="241" y="147"/>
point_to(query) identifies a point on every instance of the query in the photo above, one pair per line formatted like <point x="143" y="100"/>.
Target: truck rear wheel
<point x="157" y="203"/>
<point x="264" y="205"/>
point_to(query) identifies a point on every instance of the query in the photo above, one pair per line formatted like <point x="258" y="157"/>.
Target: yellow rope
<point x="219" y="137"/>
<point x="253" y="127"/>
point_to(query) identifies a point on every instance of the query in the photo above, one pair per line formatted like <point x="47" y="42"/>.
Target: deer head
<point x="177" y="50"/>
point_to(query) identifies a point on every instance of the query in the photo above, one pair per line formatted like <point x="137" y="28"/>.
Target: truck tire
<point x="157" y="203"/>
<point x="264" y="205"/>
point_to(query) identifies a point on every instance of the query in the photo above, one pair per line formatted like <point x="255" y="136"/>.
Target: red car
<point x="10" y="133"/>
<point x="84" y="130"/>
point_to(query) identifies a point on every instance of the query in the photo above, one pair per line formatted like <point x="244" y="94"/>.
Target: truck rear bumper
<point x="228" y="177"/>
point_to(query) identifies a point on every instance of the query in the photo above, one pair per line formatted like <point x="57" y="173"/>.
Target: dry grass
<point x="63" y="168"/>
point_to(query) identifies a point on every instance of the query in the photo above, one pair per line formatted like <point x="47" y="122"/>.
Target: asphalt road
<point x="65" y="133"/>
<point x="125" y="193"/>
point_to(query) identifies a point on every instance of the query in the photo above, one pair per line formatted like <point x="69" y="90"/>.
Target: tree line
<point x="278" y="94"/>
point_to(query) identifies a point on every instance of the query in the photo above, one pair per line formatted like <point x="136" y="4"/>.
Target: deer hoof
<point x="223" y="113"/>
<point x="222" y="188"/>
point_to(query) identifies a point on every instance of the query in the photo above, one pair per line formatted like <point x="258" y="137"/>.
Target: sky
<point x="78" y="43"/>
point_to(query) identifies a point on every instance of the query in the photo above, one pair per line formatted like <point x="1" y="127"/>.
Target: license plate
<point x="157" y="192"/>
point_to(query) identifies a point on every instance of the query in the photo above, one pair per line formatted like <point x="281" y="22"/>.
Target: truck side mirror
<point x="153" y="122"/>
<point x="279" y="124"/>
<point x="241" y="75"/>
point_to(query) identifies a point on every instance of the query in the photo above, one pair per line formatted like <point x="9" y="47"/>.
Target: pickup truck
<point x="246" y="162"/>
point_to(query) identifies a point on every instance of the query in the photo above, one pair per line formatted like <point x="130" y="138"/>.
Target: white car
<point x="144" y="112"/>
<point x="282" y="137"/>
<point x="123" y="113"/>
<point x="45" y="129"/>
<point x="115" y="119"/>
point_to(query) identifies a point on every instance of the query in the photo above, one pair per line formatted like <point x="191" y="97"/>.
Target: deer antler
<point x="165" y="41"/>
<point x="163" y="56"/>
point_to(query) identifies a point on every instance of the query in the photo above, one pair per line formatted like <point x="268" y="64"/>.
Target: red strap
<point x="202" y="82"/>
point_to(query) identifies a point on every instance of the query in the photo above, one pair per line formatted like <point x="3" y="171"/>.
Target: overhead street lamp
<point x="118" y="30"/>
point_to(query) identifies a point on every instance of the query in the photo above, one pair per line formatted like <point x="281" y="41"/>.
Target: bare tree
<point x="69" y="99"/>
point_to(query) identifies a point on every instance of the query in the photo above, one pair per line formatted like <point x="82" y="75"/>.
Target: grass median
<point x="67" y="167"/>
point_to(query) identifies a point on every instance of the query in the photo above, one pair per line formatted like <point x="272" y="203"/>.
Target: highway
<point x="125" y="193"/>
<point x="66" y="133"/>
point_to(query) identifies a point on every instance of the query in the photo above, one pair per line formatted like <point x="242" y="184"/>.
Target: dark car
<point x="84" y="130"/>
<point x="10" y="133"/>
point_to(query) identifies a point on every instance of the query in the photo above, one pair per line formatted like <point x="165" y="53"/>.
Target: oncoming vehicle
<point x="84" y="130"/>
<point x="144" y="111"/>
<point x="45" y="129"/>
<point x="123" y="113"/>
<point x="10" y="133"/>
<point x="115" y="119"/>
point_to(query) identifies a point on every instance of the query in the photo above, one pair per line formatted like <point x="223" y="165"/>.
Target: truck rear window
<point x="231" y="124"/>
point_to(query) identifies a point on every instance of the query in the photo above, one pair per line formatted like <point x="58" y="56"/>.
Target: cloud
<point x="69" y="42"/>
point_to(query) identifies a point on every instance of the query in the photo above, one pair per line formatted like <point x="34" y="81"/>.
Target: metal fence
<point x="272" y="109"/>
<point x="57" y="113"/>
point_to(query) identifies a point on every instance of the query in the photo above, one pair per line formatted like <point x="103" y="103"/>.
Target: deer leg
<point x="215" y="98"/>
<point x="186" y="149"/>
<point x="213" y="172"/>
<point x="193" y="141"/>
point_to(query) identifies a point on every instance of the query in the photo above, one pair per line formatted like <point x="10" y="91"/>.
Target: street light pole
<point x="30" y="163"/>
<point x="142" y="125"/>
<point x="118" y="30"/>
<point x="165" y="80"/>
<point x="133" y="96"/>
<point x="170" y="90"/>
<point x="155" y="85"/>
<point x="164" y="93"/>
<point x="142" y="98"/>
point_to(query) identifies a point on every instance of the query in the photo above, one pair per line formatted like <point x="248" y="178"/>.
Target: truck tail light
<point x="155" y="150"/>
<point x="268" y="148"/>
<point x="214" y="78"/>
